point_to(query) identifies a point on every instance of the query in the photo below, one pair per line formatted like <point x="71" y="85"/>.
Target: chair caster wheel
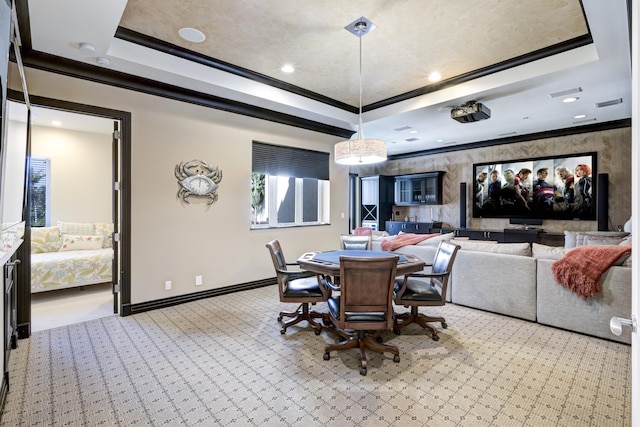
<point x="317" y="331"/>
<point x="279" y="318"/>
<point x="341" y="338"/>
<point x="379" y="339"/>
<point x="396" y="358"/>
<point x="435" y="337"/>
<point x="444" y="325"/>
<point x="283" y="331"/>
<point x="363" y="371"/>
<point x="396" y="331"/>
<point x="326" y="356"/>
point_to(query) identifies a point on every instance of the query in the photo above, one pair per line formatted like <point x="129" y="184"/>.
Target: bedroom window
<point x="289" y="187"/>
<point x="40" y="191"/>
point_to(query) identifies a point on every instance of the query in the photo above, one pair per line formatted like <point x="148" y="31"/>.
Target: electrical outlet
<point x="199" y="280"/>
<point x="167" y="285"/>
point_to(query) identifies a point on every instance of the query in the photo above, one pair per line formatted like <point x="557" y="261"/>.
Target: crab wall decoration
<point x="198" y="178"/>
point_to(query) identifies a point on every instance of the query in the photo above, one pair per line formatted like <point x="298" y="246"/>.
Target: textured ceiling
<point x="482" y="49"/>
<point x="412" y="38"/>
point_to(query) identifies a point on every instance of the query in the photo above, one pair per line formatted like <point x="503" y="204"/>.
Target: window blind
<point x="278" y="160"/>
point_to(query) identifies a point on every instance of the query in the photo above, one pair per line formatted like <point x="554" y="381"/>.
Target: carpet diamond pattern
<point x="209" y="363"/>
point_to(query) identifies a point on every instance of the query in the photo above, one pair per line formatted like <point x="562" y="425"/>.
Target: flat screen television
<point x="558" y="187"/>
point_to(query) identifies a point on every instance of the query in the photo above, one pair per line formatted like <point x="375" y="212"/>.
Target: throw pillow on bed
<point x="45" y="239"/>
<point x="77" y="228"/>
<point x="71" y="242"/>
<point x="105" y="229"/>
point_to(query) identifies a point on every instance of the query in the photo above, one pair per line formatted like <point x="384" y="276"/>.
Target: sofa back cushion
<point x="573" y="239"/>
<point x="540" y="251"/>
<point x="45" y="239"/>
<point x="435" y="241"/>
<point x="521" y="249"/>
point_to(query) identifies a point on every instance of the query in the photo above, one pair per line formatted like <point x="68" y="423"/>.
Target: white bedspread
<point x="59" y="270"/>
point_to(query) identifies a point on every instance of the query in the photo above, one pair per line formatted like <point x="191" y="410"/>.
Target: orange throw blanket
<point x="580" y="268"/>
<point x="404" y="240"/>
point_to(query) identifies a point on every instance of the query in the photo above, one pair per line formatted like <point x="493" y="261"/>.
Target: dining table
<point x="328" y="262"/>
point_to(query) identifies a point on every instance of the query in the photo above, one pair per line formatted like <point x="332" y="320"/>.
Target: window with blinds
<point x="289" y="186"/>
<point x="39" y="191"/>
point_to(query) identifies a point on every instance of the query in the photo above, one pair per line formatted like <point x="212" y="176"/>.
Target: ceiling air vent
<point x="403" y="128"/>
<point x="579" y="122"/>
<point x="565" y="92"/>
<point x="609" y="103"/>
<point x="411" y="139"/>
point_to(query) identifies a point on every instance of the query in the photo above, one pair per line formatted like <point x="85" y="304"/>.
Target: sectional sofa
<point x="515" y="279"/>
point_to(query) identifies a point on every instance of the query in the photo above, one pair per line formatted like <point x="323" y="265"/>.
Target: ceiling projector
<point x="471" y="111"/>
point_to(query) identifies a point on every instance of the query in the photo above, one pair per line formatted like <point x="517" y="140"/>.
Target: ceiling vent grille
<point x="608" y="103"/>
<point x="565" y="92"/>
<point x="579" y="122"/>
<point x="403" y="128"/>
<point x="411" y="139"/>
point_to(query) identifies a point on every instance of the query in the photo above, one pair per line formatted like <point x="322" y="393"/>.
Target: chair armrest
<point x="429" y="275"/>
<point x="326" y="281"/>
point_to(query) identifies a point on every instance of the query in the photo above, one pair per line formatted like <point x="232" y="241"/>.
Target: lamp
<point x="360" y="151"/>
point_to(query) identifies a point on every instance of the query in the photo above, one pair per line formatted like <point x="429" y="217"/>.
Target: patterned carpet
<point x="222" y="361"/>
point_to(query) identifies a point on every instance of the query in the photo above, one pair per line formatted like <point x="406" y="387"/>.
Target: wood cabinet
<point x="376" y="200"/>
<point x="510" y="235"/>
<point x="395" y="227"/>
<point x="418" y="189"/>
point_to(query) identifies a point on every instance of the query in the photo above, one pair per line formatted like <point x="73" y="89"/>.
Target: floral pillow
<point x="72" y="242"/>
<point x="106" y="230"/>
<point x="45" y="239"/>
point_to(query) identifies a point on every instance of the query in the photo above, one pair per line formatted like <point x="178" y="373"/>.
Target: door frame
<point x="124" y="165"/>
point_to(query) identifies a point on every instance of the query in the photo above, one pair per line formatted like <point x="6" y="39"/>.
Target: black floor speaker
<point x="603" y="201"/>
<point x="463" y="205"/>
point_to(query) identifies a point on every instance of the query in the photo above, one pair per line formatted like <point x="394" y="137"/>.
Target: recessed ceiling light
<point x="87" y="48"/>
<point x="413" y="131"/>
<point x="101" y="60"/>
<point x="56" y="123"/>
<point x="580" y="116"/>
<point x="570" y="99"/>
<point x="435" y="77"/>
<point x="439" y="140"/>
<point x="192" y="35"/>
<point x="287" y="68"/>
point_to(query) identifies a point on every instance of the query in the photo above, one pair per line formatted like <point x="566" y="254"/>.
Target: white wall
<point x="80" y="173"/>
<point x="173" y="241"/>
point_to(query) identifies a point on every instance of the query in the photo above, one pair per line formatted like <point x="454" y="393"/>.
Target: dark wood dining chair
<point x="297" y="289"/>
<point x="364" y="308"/>
<point x="355" y="242"/>
<point x="426" y="289"/>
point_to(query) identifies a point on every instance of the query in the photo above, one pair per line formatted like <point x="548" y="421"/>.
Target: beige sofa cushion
<point x="521" y="249"/>
<point x="435" y="241"/>
<point x="573" y="239"/>
<point x="547" y="252"/>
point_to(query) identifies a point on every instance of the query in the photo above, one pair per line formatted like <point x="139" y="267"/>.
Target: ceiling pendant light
<point x="360" y="151"/>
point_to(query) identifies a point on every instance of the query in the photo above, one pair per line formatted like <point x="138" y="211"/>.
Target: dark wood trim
<point x="616" y="124"/>
<point x="24" y="252"/>
<point x="495" y="68"/>
<point x="181" y="299"/>
<point x="180" y="52"/>
<point x="4" y="389"/>
<point x="67" y="67"/>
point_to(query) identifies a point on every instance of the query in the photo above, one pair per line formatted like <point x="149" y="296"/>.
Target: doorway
<point x="71" y="198"/>
<point x="86" y="149"/>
